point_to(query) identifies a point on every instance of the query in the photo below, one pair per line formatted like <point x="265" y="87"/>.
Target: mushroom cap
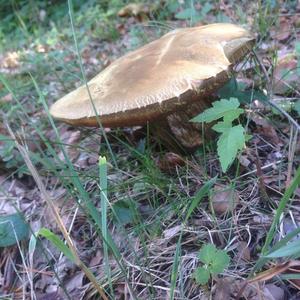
<point x="158" y="78"/>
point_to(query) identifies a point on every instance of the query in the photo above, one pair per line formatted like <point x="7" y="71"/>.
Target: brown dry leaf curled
<point x="223" y="199"/>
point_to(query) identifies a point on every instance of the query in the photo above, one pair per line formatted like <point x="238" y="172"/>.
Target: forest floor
<point x="142" y="238"/>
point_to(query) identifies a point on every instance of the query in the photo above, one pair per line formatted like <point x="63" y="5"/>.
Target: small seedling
<point x="214" y="262"/>
<point x="232" y="138"/>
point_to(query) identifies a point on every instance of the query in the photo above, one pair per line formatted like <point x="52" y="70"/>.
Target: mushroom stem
<point x="178" y="134"/>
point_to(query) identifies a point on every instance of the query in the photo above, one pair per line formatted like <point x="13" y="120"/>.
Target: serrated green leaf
<point x="57" y="242"/>
<point x="221" y="127"/>
<point x="12" y="229"/>
<point x="230" y="142"/>
<point x="201" y="275"/>
<point x="227" y="109"/>
<point x="237" y="90"/>
<point x="220" y="262"/>
<point x="228" y="89"/>
<point x="206" y="254"/>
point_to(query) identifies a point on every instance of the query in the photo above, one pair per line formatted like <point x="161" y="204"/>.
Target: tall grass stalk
<point x="71" y="14"/>
<point x="103" y="190"/>
<point x="190" y="209"/>
<point x="56" y="215"/>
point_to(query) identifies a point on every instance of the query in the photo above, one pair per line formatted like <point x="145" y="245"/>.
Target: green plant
<point x="280" y="248"/>
<point x="267" y="15"/>
<point x="233" y="137"/>
<point x="12" y="229"/>
<point x="214" y="260"/>
<point x="9" y="158"/>
<point x="189" y="12"/>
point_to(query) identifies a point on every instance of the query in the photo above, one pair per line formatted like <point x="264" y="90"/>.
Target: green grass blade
<point x="263" y="259"/>
<point x="292" y="249"/>
<point x="199" y="197"/>
<point x="195" y="202"/>
<point x="71" y="14"/>
<point x="281" y="207"/>
<point x="103" y="196"/>
<point x="57" y="242"/>
<point x="175" y="267"/>
<point x="82" y="194"/>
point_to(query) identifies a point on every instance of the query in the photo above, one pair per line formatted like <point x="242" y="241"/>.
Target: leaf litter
<point x="241" y="228"/>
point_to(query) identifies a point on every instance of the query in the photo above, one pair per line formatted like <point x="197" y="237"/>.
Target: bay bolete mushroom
<point x="165" y="82"/>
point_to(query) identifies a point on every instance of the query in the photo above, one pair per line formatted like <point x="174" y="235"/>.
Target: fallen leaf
<point x="169" y="161"/>
<point x="294" y="270"/>
<point x="11" y="60"/>
<point x="96" y="259"/>
<point x="6" y="99"/>
<point x="285" y="74"/>
<point x="265" y="128"/>
<point x="50" y="296"/>
<point x="171" y="232"/>
<point x="274" y="271"/>
<point x="141" y="11"/>
<point x="257" y="291"/>
<point x="274" y="291"/>
<point x="70" y="139"/>
<point x="222" y="289"/>
<point x="283" y="31"/>
<point x="75" y="282"/>
<point x="243" y="252"/>
<point x="223" y="199"/>
<point x="244" y="161"/>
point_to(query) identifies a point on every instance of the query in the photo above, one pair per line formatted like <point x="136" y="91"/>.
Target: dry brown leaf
<point x="274" y="271"/>
<point x="244" y="161"/>
<point x="243" y="252"/>
<point x="285" y="74"/>
<point x="223" y="199"/>
<point x="50" y="296"/>
<point x="222" y="289"/>
<point x="284" y="31"/>
<point x="96" y="259"/>
<point x="265" y="129"/>
<point x="169" y="161"/>
<point x="139" y="10"/>
<point x="6" y="99"/>
<point x="71" y="138"/>
<point x="75" y="282"/>
<point x="11" y="60"/>
<point x="294" y="270"/>
<point x="273" y="292"/>
<point x="171" y="232"/>
<point x="257" y="291"/>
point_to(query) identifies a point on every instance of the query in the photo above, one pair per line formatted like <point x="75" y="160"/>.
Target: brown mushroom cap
<point x="158" y="78"/>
